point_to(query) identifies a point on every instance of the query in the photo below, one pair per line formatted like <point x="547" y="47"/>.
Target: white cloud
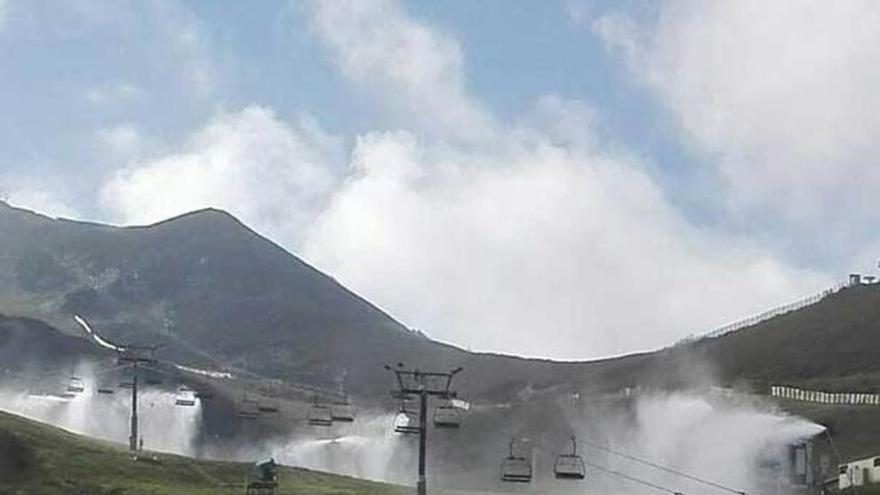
<point x="272" y="175"/>
<point x="781" y="92"/>
<point x="173" y="45"/>
<point x="121" y="140"/>
<point x="190" y="43"/>
<point x="536" y="249"/>
<point x="527" y="238"/>
<point x="113" y="92"/>
<point x="35" y="196"/>
<point x="540" y="244"/>
<point x="4" y="13"/>
<point x="413" y="67"/>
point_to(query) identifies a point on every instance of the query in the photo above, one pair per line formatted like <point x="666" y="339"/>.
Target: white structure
<point x="848" y="398"/>
<point x="858" y="473"/>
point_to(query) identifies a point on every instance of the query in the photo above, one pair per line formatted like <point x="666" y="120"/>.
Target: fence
<point x="760" y="317"/>
<point x="847" y="398"/>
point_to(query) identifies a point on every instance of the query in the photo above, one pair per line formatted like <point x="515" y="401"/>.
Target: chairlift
<point x="248" y="409"/>
<point x="185" y="397"/>
<point x="105" y="390"/>
<point x="570" y="466"/>
<point x="447" y="416"/>
<point x="343" y="412"/>
<point x="204" y="394"/>
<point x="516" y="468"/>
<point x="320" y="415"/>
<point x="268" y="406"/>
<point x="406" y="421"/>
<point x="75" y="385"/>
<point x="125" y="384"/>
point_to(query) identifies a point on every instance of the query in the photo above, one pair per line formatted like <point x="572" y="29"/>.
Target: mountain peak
<point x="211" y="212"/>
<point x="202" y="218"/>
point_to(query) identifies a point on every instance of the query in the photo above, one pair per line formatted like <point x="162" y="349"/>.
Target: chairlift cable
<point x="664" y="468"/>
<point x="635" y="480"/>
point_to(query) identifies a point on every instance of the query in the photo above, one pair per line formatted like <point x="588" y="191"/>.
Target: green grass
<point x="39" y="459"/>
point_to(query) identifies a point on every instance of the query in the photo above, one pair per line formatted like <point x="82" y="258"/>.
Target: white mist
<point x="726" y="440"/>
<point x="163" y="426"/>
<point x="367" y="448"/>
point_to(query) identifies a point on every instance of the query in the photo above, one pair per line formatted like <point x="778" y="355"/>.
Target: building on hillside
<point x="803" y="464"/>
<point x="810" y="462"/>
<point x="859" y="473"/>
<point x="862" y="279"/>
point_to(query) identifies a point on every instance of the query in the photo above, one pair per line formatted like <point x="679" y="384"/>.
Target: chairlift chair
<point x="105" y="389"/>
<point x="268" y="406"/>
<point x="75" y="385"/>
<point x="516" y="468"/>
<point x="570" y="466"/>
<point x="248" y="409"/>
<point x="343" y="412"/>
<point x="406" y="421"/>
<point x="185" y="397"/>
<point x="320" y="415"/>
<point x="447" y="416"/>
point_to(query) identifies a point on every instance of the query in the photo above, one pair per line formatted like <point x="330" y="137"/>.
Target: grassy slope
<point x="41" y="459"/>
<point x="832" y="345"/>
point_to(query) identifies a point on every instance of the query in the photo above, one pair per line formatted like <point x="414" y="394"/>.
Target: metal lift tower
<point x="423" y="384"/>
<point x="134" y="356"/>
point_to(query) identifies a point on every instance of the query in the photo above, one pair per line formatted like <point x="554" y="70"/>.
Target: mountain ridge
<point x="41" y="255"/>
<point x="225" y="296"/>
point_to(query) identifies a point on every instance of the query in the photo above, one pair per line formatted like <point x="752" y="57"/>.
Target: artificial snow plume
<point x="163" y="426"/>
<point x="367" y="448"/>
<point x="736" y="441"/>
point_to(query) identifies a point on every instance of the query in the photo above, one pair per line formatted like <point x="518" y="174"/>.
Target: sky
<point x="568" y="179"/>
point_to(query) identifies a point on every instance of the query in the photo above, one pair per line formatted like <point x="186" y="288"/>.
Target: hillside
<point x="834" y="344"/>
<point x="220" y="295"/>
<point x="37" y="459"/>
<point x="26" y="342"/>
<point x="213" y="290"/>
